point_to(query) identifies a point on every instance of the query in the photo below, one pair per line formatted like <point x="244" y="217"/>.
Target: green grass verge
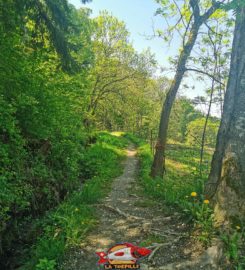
<point x="67" y="225"/>
<point x="182" y="186"/>
<point x="182" y="176"/>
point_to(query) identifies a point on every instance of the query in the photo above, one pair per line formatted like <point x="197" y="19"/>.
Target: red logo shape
<point x="124" y="253"/>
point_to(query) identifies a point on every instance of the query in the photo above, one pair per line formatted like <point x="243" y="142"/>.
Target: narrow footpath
<point x="127" y="216"/>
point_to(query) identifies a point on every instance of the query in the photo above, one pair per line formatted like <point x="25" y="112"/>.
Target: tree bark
<point x="226" y="184"/>
<point x="158" y="166"/>
<point x="229" y="101"/>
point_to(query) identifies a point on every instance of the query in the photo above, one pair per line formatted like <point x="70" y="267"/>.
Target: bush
<point x="68" y="224"/>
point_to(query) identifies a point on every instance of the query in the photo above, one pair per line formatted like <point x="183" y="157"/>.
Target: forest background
<point x="65" y="78"/>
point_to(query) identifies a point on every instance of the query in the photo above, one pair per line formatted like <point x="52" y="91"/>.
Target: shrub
<point x="67" y="225"/>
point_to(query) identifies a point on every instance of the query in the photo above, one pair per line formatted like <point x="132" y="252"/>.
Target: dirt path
<point x="126" y="216"/>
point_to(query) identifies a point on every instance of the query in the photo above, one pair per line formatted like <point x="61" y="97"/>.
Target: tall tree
<point x="213" y="63"/>
<point x="226" y="180"/>
<point x="194" y="23"/>
<point x="117" y="64"/>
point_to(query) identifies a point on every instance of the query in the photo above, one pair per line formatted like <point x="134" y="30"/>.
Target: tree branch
<point x="211" y="10"/>
<point x="207" y="74"/>
<point x="196" y="9"/>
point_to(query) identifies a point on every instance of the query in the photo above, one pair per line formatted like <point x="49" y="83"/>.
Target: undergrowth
<point x="234" y="246"/>
<point x="182" y="185"/>
<point x="182" y="176"/>
<point x="67" y="225"/>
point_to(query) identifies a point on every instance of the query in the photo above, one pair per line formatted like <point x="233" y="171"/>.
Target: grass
<point x="182" y="175"/>
<point x="182" y="178"/>
<point x="151" y="239"/>
<point x="66" y="226"/>
<point x="235" y="248"/>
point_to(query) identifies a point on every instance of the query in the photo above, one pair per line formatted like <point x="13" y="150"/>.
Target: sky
<point x="140" y="21"/>
<point x="139" y="17"/>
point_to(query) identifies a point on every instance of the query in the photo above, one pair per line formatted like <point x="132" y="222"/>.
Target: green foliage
<point x="45" y="264"/>
<point x="151" y="239"/>
<point x="63" y="228"/>
<point x="234" y="247"/>
<point x="134" y="139"/>
<point x="233" y="240"/>
<point x="181" y="17"/>
<point x="60" y="71"/>
<point x="195" y="129"/>
<point x="91" y="166"/>
<point x="119" y="76"/>
<point x="117" y="140"/>
<point x="42" y="138"/>
<point x="180" y="180"/>
<point x="182" y="115"/>
<point x="182" y="175"/>
<point x="67" y="225"/>
<point x="197" y="209"/>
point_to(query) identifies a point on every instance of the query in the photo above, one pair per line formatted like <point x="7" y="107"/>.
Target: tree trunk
<point x="158" y="166"/>
<point x="216" y="165"/>
<point x="227" y="177"/>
